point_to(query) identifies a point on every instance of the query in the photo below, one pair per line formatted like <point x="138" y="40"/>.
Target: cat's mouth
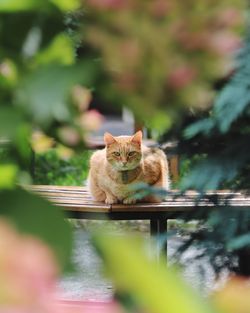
<point x="124" y="168"/>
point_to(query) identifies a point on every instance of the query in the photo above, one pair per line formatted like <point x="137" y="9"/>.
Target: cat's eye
<point x="116" y="153"/>
<point x="131" y="153"/>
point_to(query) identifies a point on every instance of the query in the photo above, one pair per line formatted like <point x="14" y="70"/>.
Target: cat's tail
<point x="165" y="171"/>
<point x="164" y="181"/>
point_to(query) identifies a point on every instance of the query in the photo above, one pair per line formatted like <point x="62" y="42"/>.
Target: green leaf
<point x="239" y="242"/>
<point x="22" y="141"/>
<point x="66" y="5"/>
<point x="11" y="120"/>
<point x="230" y="105"/>
<point x="234" y="99"/>
<point x="45" y="92"/>
<point x="26" y="5"/>
<point x="160" y="122"/>
<point x="141" y="190"/>
<point x="156" y="287"/>
<point x="19" y="5"/>
<point x="38" y="217"/>
<point x="8" y="173"/>
<point x="210" y="173"/>
<point x="203" y="126"/>
<point x="60" y="51"/>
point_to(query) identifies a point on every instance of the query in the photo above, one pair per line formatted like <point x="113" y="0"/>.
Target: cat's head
<point x="123" y="152"/>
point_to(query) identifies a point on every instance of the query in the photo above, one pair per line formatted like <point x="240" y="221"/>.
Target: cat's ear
<point x="109" y="139"/>
<point x="137" y="138"/>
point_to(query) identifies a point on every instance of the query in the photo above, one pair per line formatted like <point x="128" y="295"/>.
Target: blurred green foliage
<point x="223" y="135"/>
<point x="148" y="285"/>
<point x="220" y="141"/>
<point x="38" y="69"/>
<point x="161" y="57"/>
<point x="51" y="169"/>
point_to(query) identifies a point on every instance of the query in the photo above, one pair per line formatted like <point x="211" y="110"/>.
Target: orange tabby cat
<point x="125" y="161"/>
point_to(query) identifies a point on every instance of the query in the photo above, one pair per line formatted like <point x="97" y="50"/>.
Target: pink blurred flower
<point x="127" y="81"/>
<point x="28" y="270"/>
<point x="108" y="4"/>
<point x="224" y="42"/>
<point x="69" y="135"/>
<point x="91" y="120"/>
<point x="28" y="276"/>
<point x="88" y="307"/>
<point x="228" y="18"/>
<point x="181" y="76"/>
<point x="5" y="69"/>
<point x="189" y="40"/>
<point x="81" y="97"/>
<point x="130" y="50"/>
<point x="159" y="8"/>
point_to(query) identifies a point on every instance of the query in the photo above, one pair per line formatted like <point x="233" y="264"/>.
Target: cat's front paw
<point x="111" y="200"/>
<point x="129" y="200"/>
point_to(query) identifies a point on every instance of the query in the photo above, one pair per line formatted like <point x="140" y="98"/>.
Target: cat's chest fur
<point x="120" y="184"/>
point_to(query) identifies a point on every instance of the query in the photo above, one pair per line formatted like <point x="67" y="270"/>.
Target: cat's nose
<point x="124" y="162"/>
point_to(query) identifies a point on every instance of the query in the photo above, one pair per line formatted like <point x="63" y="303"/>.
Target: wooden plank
<point x="75" y="201"/>
<point x="59" y="188"/>
<point x="87" y="195"/>
<point x="172" y="193"/>
<point x="163" y="206"/>
<point x="173" y="207"/>
<point x="71" y="195"/>
<point x="89" y="207"/>
<point x="79" y="199"/>
<point x="71" y="198"/>
<point x="86" y="209"/>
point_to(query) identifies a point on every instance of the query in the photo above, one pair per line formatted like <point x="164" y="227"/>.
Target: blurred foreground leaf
<point x="156" y="287"/>
<point x="17" y="5"/>
<point x="66" y="5"/>
<point x="60" y="51"/>
<point x="8" y="174"/>
<point x="11" y="122"/>
<point x="239" y="242"/>
<point x="46" y="91"/>
<point x="208" y="174"/>
<point x="25" y="5"/>
<point x="35" y="216"/>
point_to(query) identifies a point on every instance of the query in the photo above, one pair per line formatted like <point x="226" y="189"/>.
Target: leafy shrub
<point x="50" y="169"/>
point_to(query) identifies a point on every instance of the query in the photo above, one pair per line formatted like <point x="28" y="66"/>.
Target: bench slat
<point x="71" y="198"/>
<point x="78" y="199"/>
<point x="172" y="207"/>
<point x="84" y="209"/>
<point x="66" y="195"/>
<point x="167" y="201"/>
<point x="50" y="188"/>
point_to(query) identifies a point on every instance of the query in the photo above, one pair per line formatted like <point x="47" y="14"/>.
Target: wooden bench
<point x="78" y="203"/>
